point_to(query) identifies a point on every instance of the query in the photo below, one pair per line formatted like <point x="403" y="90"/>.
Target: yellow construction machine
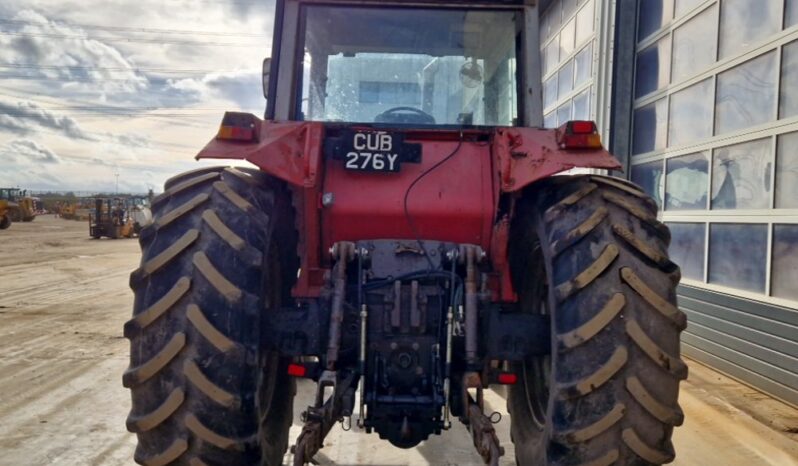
<point x="19" y="206"/>
<point x="111" y="219"/>
<point x="5" y="220"/>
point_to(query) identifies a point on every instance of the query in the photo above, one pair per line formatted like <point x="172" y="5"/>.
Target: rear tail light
<point x="507" y="378"/>
<point x="297" y="370"/>
<point x="578" y="135"/>
<point x="238" y="126"/>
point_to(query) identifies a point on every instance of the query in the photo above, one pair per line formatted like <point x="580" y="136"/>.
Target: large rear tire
<point x="589" y="251"/>
<point x="216" y="259"/>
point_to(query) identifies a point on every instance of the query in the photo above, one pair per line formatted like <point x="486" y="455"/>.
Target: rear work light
<point x="238" y="126"/>
<point x="578" y="135"/>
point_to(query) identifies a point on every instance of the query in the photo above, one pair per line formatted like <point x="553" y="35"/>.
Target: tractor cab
<point x="425" y="64"/>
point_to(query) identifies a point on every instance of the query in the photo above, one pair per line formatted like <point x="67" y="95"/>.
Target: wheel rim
<point x="537" y="376"/>
<point x="536" y="372"/>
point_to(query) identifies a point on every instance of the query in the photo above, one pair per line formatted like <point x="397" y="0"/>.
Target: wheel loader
<point x="5" y="219"/>
<point x="21" y="207"/>
<point x="410" y="238"/>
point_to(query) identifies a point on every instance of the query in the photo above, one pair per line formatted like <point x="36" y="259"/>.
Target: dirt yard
<point x="64" y="298"/>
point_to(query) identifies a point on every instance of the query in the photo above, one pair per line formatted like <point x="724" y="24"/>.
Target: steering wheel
<point x="405" y="115"/>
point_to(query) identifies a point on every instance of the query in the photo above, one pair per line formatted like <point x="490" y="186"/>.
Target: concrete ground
<point x="64" y="298"/>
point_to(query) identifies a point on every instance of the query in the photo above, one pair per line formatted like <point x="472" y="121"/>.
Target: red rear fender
<point x="290" y="151"/>
<point x="526" y="155"/>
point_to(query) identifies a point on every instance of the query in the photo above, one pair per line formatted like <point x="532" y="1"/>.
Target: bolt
<point x="327" y="199"/>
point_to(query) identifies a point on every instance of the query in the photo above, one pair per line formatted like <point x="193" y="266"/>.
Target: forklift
<point x="109" y="219"/>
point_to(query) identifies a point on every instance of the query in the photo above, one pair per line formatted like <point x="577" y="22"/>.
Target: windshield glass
<point x="409" y="66"/>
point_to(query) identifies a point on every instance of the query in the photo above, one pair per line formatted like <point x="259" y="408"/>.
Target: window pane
<point x="581" y="106"/>
<point x="554" y="17"/>
<point x="785" y="261"/>
<point x="544" y="23"/>
<point x="563" y="113"/>
<point x="550" y="120"/>
<point x="789" y="81"/>
<point x="565" y="79"/>
<point x="653" y="67"/>
<point x="397" y="64"/>
<point x="568" y="8"/>
<point x="582" y="65"/>
<point x="741" y="176"/>
<point x="745" y="22"/>
<point x="687" y="182"/>
<point x="690" y="116"/>
<point x="746" y="95"/>
<point x="687" y="248"/>
<point x="737" y="255"/>
<point x="791" y="13"/>
<point x="651" y="126"/>
<point x="584" y="23"/>
<point x="653" y="15"/>
<point x="567" y="39"/>
<point x="550" y="92"/>
<point x="551" y="55"/>
<point x="649" y="177"/>
<point x="787" y="172"/>
<point x="684" y="6"/>
<point x="694" y="45"/>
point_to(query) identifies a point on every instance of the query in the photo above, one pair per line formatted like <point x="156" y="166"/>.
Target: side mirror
<point x="267" y="69"/>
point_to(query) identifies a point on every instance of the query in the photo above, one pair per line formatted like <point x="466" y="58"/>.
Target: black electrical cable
<point x="409" y="217"/>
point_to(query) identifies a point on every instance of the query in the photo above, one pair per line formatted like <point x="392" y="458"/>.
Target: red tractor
<point x="406" y="245"/>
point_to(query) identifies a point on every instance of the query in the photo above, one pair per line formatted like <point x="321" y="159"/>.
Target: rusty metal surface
<point x="526" y="155"/>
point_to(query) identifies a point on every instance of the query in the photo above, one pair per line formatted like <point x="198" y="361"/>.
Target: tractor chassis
<point x="410" y="324"/>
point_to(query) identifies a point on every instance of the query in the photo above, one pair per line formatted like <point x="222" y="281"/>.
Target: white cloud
<point x="241" y="88"/>
<point x="65" y="56"/>
<point x="26" y="150"/>
<point x="27" y="117"/>
<point x="115" y="98"/>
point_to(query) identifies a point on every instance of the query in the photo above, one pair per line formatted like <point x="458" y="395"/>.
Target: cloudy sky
<point x="94" y="88"/>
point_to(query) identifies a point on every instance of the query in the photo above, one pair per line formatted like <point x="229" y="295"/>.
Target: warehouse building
<point x="699" y="99"/>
